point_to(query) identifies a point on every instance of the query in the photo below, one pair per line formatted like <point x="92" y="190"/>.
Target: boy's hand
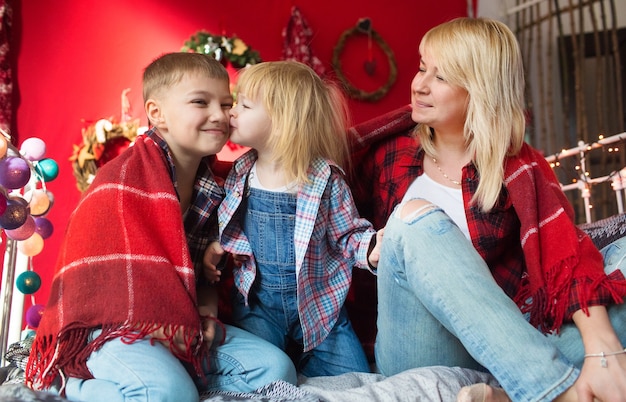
<point x="212" y="257"/>
<point x="171" y="340"/>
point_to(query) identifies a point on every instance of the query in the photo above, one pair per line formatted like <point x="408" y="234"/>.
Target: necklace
<point x="458" y="183"/>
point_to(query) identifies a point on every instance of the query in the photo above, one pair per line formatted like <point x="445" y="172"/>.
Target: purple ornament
<point x="15" y="215"/>
<point x="33" y="315"/>
<point x="44" y="227"/>
<point x="14" y="172"/>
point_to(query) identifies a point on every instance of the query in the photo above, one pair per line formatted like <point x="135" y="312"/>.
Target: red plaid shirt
<point x="390" y="166"/>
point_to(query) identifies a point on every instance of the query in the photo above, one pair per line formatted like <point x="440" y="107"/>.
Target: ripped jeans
<point x="438" y="304"/>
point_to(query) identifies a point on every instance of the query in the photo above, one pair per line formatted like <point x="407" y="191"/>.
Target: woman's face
<point x="434" y="101"/>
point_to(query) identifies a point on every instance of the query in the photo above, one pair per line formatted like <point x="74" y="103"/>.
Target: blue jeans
<point x="272" y="311"/>
<point x="438" y="304"/>
<point x="144" y="372"/>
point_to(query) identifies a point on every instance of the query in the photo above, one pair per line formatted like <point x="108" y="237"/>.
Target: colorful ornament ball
<point x="33" y="149"/>
<point x="48" y="169"/>
<point x="14" y="172"/>
<point x="31" y="246"/>
<point x="15" y="214"/>
<point x="23" y="232"/>
<point x="44" y="227"/>
<point x="33" y="315"/>
<point x="28" y="282"/>
<point x="39" y="202"/>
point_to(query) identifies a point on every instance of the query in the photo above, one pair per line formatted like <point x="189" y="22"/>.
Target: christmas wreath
<point x="102" y="141"/>
<point x="222" y="48"/>
<point x="364" y="27"/>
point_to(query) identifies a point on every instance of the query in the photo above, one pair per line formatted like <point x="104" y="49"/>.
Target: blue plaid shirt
<point x="330" y="238"/>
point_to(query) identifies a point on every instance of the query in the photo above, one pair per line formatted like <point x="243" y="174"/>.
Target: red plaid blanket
<point x="124" y="266"/>
<point x="556" y="251"/>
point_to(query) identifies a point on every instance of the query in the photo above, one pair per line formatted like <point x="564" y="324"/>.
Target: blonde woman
<point x="481" y="265"/>
<point x="290" y="219"/>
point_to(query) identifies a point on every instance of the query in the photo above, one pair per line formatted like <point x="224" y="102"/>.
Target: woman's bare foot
<point x="482" y="393"/>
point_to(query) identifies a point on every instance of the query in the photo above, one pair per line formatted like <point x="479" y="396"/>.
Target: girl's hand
<point x="374" y="256"/>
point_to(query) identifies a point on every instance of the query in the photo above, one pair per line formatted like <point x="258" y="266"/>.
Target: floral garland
<point x="222" y="48"/>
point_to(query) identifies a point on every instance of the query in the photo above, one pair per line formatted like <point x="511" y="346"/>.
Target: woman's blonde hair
<point x="483" y="57"/>
<point x="309" y="115"/>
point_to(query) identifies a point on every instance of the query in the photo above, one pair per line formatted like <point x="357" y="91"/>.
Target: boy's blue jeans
<point x="144" y="372"/>
<point x="438" y="304"/>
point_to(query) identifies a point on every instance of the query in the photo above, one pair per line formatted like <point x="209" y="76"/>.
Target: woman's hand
<point x="597" y="382"/>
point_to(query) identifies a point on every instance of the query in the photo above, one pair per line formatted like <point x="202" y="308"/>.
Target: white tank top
<point x="447" y="198"/>
<point x="253" y="182"/>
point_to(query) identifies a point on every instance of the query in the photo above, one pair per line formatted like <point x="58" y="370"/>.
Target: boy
<point x="130" y="313"/>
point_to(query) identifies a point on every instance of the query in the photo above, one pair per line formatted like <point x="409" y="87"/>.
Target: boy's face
<point x="194" y="116"/>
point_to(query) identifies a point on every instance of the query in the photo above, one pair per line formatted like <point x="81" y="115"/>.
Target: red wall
<point x="75" y="57"/>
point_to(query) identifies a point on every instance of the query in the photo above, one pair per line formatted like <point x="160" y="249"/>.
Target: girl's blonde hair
<point x="483" y="57"/>
<point x="309" y="115"/>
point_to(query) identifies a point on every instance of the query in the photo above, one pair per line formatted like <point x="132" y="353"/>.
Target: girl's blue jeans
<point x="438" y="304"/>
<point x="144" y="372"/>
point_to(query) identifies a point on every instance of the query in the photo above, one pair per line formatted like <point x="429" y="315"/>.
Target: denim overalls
<point x="272" y="312"/>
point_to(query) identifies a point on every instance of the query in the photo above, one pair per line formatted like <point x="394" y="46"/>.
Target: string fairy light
<point x="24" y="203"/>
<point x="583" y="180"/>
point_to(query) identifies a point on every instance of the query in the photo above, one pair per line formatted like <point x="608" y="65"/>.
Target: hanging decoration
<point x="24" y="204"/>
<point x="297" y="42"/>
<point x="364" y="27"/>
<point x="103" y="141"/>
<point x="222" y="48"/>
